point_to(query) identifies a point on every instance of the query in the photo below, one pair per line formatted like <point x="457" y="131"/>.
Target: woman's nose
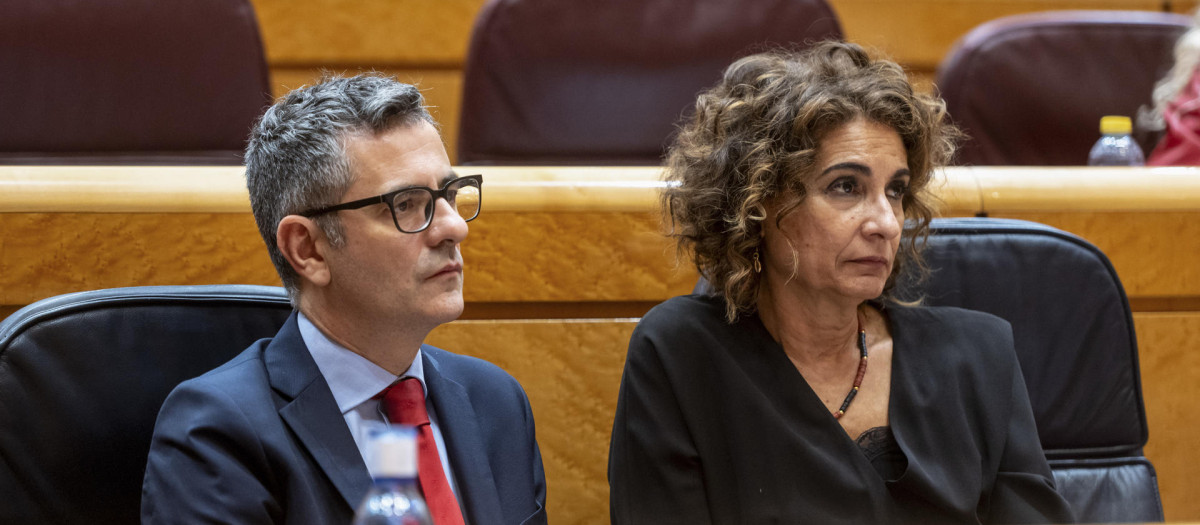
<point x="884" y="217"/>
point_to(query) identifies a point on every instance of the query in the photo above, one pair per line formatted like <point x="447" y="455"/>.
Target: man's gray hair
<point x="296" y="157"/>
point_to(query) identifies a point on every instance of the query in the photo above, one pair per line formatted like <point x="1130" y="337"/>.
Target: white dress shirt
<point x="355" y="381"/>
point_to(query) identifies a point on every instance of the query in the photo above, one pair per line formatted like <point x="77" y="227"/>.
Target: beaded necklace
<point x="862" y="370"/>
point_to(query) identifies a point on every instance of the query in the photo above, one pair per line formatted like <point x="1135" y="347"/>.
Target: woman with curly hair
<point x="800" y="390"/>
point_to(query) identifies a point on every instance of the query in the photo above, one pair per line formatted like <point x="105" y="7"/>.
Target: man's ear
<point x="304" y="245"/>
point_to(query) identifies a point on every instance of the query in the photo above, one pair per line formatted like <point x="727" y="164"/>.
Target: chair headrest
<point x="605" y="82"/>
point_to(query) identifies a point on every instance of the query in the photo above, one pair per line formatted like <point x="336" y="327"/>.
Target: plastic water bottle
<point x="395" y="498"/>
<point x="1116" y="147"/>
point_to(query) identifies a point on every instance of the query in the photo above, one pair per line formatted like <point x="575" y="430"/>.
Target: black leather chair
<point x="553" y="82"/>
<point x="1075" y="340"/>
<point x="1030" y="89"/>
<point x="82" y="377"/>
<point x="1074" y="337"/>
<point x="129" y="81"/>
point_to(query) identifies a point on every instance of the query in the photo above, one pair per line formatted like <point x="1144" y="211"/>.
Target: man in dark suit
<point x="362" y="215"/>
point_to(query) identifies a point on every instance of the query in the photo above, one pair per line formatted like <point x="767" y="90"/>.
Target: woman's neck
<point x="812" y="332"/>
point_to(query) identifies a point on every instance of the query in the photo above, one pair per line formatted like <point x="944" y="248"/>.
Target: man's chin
<point x="447" y="308"/>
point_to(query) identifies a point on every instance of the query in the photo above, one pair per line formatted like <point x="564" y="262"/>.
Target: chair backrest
<point x="1074" y="337"/>
<point x="82" y="377"/>
<point x="129" y="81"/>
<point x="1030" y="89"/>
<point x="552" y="82"/>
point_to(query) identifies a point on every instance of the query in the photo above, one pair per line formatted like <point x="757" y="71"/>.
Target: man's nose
<point x="447" y="224"/>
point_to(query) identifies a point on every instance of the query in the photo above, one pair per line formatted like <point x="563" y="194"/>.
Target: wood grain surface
<point x="563" y="258"/>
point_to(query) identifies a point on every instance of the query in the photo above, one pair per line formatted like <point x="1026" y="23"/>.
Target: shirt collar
<point x="352" y="378"/>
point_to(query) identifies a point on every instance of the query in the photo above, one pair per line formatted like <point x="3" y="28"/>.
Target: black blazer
<point x="261" y="440"/>
<point x="715" y="425"/>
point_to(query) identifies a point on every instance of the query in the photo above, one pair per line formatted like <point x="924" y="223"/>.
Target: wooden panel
<point x="572" y="257"/>
<point x="1149" y="228"/>
<point x="571" y="371"/>
<point x="1168" y="344"/>
<point x="548" y="235"/>
<point x="141" y="189"/>
<point x="47" y="254"/>
<point x="1185" y="7"/>
<point x="1025" y="189"/>
<point x="1154" y="252"/>
<point x="588" y="242"/>
<point x="123" y="189"/>
<point x="366" y="32"/>
<point x="509" y="257"/>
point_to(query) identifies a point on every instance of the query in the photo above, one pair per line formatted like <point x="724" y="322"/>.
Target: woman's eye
<point x="843" y="186"/>
<point x="897" y="190"/>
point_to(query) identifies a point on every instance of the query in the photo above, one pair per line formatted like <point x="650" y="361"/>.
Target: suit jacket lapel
<point x="310" y="411"/>
<point x="464" y="440"/>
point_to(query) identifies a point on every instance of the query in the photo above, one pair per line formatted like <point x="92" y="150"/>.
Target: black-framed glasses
<point x="412" y="208"/>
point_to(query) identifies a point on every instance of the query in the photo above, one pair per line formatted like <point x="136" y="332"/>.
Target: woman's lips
<point x="872" y="261"/>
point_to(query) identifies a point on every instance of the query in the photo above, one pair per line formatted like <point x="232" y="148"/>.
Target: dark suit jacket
<point x="715" y="425"/>
<point x="261" y="440"/>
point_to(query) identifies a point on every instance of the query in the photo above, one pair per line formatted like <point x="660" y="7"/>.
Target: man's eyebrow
<point x="441" y="184"/>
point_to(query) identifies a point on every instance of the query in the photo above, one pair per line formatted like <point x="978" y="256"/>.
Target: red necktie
<point x="404" y="403"/>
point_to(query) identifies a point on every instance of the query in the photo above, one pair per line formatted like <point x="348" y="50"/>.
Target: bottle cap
<point x="1115" y="125"/>
<point x="392" y="453"/>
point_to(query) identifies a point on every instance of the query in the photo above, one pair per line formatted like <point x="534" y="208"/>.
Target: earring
<point x="757" y="265"/>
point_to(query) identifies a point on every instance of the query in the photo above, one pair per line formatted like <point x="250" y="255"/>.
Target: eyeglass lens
<point x="413" y="208"/>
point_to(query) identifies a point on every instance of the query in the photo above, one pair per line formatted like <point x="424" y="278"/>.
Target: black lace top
<point x="882" y="450"/>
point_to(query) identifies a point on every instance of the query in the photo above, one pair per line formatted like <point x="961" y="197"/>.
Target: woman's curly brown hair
<point x="754" y="136"/>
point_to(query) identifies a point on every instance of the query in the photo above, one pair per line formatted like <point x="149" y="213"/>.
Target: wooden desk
<point x="563" y="260"/>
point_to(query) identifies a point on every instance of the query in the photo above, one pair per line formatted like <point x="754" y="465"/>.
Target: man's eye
<point x="403" y="204"/>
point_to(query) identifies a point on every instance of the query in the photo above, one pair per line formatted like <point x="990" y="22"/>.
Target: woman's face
<point x="840" y="243"/>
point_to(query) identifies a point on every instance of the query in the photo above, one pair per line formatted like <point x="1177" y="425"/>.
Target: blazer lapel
<point x="464" y="441"/>
<point x="310" y="411"/>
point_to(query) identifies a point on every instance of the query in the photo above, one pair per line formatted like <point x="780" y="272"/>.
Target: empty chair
<point x="1030" y="89"/>
<point x="82" y="377"/>
<point x="129" y="81"/>
<point x="551" y="82"/>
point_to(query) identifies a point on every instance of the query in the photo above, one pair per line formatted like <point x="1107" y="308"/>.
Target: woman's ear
<point x="303" y="243"/>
